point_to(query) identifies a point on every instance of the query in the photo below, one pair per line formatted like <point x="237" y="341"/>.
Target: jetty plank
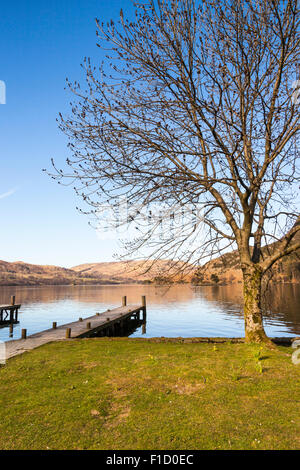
<point x="9" y="313"/>
<point x="78" y="328"/>
<point x="9" y="307"/>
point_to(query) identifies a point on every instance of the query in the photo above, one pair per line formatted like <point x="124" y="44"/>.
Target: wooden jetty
<point x="109" y="323"/>
<point x="9" y="313"/>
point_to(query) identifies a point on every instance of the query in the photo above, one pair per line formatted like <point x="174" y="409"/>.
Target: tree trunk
<point x="254" y="330"/>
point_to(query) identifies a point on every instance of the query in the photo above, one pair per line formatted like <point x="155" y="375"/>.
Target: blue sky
<point x="42" y="43"/>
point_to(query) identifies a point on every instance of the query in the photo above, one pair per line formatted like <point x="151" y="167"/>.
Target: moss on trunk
<point x="254" y="330"/>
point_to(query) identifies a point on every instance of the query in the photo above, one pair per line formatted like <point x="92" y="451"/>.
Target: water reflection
<point x="281" y="304"/>
<point x="180" y="310"/>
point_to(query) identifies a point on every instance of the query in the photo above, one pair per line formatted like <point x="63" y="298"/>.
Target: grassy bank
<point x="133" y="394"/>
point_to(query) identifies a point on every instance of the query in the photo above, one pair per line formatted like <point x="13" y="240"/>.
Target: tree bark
<point x="254" y="330"/>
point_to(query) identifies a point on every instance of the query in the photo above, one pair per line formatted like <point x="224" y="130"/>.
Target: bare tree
<point x="194" y="105"/>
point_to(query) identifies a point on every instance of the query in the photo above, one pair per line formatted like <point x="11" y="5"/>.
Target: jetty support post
<point x="12" y="311"/>
<point x="24" y="334"/>
<point x="68" y="333"/>
<point x="124" y="301"/>
<point x="144" y="308"/>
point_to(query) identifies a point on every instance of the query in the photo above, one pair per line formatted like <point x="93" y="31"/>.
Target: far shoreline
<point x="147" y="284"/>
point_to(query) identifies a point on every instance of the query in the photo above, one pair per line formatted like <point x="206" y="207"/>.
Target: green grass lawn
<point x="134" y="394"/>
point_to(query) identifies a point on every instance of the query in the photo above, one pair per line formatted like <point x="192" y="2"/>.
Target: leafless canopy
<point x="195" y="105"/>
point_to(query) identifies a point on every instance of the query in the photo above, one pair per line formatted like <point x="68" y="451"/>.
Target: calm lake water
<point x="185" y="310"/>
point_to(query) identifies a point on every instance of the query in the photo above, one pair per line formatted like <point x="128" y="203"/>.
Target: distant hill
<point x="147" y="271"/>
<point x="19" y="273"/>
<point x="222" y="270"/>
<point x="226" y="269"/>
